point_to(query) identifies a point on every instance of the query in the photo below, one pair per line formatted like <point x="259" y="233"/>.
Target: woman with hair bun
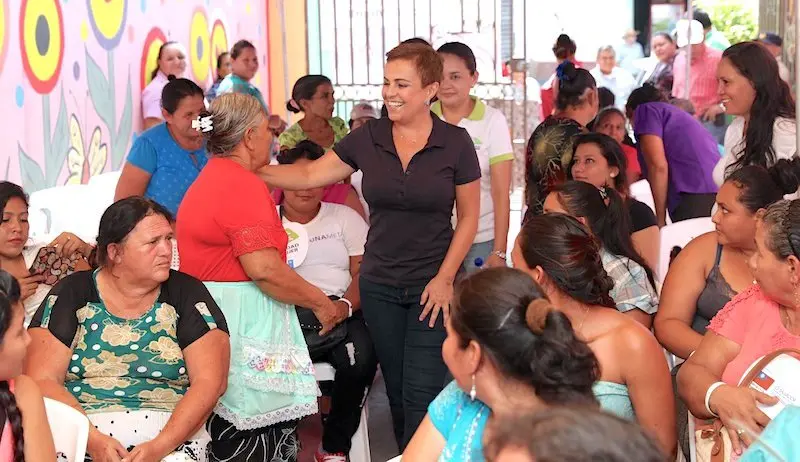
<point x="231" y="237"/>
<point x="713" y="268"/>
<point x="166" y="159"/>
<point x="313" y="96"/>
<point x="550" y="146"/>
<point x="509" y="351"/>
<point x="634" y="381"/>
<point x="764" y="130"/>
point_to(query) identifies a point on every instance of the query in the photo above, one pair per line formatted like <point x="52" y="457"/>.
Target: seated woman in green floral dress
<point x="124" y="343"/>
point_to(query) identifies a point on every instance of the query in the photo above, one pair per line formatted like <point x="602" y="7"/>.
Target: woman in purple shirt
<point x="679" y="156"/>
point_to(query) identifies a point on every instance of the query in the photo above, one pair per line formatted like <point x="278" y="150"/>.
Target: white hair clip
<point x="203" y="124"/>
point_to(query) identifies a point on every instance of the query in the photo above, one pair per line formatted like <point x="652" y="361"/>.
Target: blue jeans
<point x="478" y="250"/>
<point x="409" y="352"/>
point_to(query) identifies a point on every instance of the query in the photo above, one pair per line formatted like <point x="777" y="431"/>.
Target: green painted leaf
<point x="54" y="160"/>
<point x="98" y="91"/>
<point x="31" y="173"/>
<point x="122" y="139"/>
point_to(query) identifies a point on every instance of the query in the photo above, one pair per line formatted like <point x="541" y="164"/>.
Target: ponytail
<point x="8" y="404"/>
<point x="9" y="296"/>
<point x="563" y="369"/>
<point x="760" y="187"/>
<point x="505" y="312"/>
<point x="609" y="221"/>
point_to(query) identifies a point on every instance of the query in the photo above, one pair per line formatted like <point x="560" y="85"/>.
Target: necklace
<point x="583" y="319"/>
<point x="413" y="140"/>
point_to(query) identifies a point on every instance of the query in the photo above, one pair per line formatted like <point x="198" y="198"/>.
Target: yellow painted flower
<point x="167" y="351"/>
<point x="41" y="26"/>
<point x="160" y="396"/>
<point x="107" y="364"/>
<point x="108" y="21"/>
<point x="117" y="335"/>
<point x="108" y="383"/>
<point x="167" y="319"/>
<point x="83" y="164"/>
<point x="87" y="312"/>
<point x="79" y="342"/>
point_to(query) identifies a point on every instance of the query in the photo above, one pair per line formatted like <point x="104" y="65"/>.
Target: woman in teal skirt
<point x="230" y="237"/>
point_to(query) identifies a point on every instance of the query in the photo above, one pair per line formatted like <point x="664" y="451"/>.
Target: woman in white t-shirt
<point x="326" y="245"/>
<point x="489" y="131"/>
<point x="750" y="88"/>
<point x="17" y="252"/>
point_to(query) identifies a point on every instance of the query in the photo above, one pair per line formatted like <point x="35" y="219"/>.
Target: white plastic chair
<point x="679" y="234"/>
<point x="641" y="192"/>
<point x="64" y="208"/>
<point x="70" y="429"/>
<point x="396" y="459"/>
<point x="359" y="450"/>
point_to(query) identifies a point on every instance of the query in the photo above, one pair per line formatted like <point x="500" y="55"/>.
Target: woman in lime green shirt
<point x="313" y="96"/>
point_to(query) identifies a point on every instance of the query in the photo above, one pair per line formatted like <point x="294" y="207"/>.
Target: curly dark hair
<point x="569" y="255"/>
<point x="9" y="296"/>
<point x="773" y="99"/>
<point x="120" y="218"/>
<point x="506" y="313"/>
<point x="303" y="150"/>
<point x="612" y="151"/>
<point x="760" y="187"/>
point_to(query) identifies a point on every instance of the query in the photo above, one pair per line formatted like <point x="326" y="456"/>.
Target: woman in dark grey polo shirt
<point x="415" y="168"/>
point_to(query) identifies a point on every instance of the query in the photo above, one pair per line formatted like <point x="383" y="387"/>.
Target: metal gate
<point x="348" y="41"/>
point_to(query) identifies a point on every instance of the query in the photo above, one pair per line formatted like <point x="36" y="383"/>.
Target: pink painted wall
<point x="72" y="71"/>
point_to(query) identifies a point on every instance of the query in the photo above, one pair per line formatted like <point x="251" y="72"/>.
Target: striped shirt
<point x="703" y="85"/>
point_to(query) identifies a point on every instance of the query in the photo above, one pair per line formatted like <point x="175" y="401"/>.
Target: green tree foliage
<point x="736" y="20"/>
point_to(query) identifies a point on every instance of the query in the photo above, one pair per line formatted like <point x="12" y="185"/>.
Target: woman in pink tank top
<point x="26" y="432"/>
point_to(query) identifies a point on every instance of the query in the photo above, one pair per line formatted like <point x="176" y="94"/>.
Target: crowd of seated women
<point x="553" y="359"/>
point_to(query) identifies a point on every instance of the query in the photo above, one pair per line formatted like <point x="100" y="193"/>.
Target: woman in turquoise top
<point x="244" y="65"/>
<point x="509" y="351"/>
<point x="313" y="96"/>
<point x="634" y="381"/>
<point x="142" y="350"/>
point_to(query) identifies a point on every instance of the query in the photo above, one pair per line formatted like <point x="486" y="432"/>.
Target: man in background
<point x="774" y="44"/>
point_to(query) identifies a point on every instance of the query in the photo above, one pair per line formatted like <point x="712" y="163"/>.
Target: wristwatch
<point x="349" y="306"/>
<point x="499" y="254"/>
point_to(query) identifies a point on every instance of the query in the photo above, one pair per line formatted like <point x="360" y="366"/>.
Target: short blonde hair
<point x="425" y="58"/>
<point x="232" y="114"/>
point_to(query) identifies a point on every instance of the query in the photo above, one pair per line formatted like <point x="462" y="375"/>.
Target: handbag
<point x="310" y="324"/>
<point x="712" y="442"/>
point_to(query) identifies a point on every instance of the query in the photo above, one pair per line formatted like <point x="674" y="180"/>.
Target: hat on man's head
<point x="690" y="33"/>
<point x="771" y="38"/>
<point x="364" y="109"/>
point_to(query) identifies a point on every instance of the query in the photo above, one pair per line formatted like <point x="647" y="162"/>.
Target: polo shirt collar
<point x="477" y="114"/>
<point x="383" y="134"/>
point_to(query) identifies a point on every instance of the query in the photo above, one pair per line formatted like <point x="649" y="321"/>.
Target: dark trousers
<point x="409" y="352"/>
<point x="693" y="206"/>
<point x="355" y="363"/>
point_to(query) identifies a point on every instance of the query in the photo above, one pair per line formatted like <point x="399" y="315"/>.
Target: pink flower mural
<point x="73" y="83"/>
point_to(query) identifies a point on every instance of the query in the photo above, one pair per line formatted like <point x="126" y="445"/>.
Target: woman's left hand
<point x="150" y="451"/>
<point x="493" y="261"/>
<point x="436" y="297"/>
<point x="68" y="244"/>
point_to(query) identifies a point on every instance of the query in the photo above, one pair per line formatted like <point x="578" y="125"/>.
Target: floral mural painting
<point x="85" y="162"/>
<point x="41" y="34"/>
<point x="108" y="22"/>
<point x="72" y="74"/>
